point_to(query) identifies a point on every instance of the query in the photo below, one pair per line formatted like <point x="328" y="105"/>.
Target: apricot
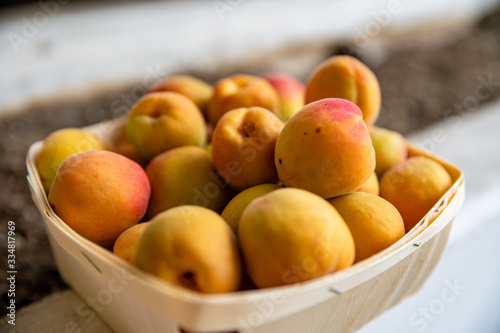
<point x="346" y="77"/>
<point x="61" y="144"/>
<point x="125" y="245"/>
<point x="241" y="91"/>
<point x="371" y="185"/>
<point x="185" y="176"/>
<point x="390" y="148"/>
<point x="325" y="148"/>
<point x="414" y="186"/>
<point x="375" y="223"/>
<point x="192" y="247"/>
<point x="243" y="146"/>
<point x="291" y="92"/>
<point x="99" y="194"/>
<point x="193" y="88"/>
<point x="165" y="120"/>
<point x="234" y="209"/>
<point x="120" y="144"/>
<point x="291" y="235"/>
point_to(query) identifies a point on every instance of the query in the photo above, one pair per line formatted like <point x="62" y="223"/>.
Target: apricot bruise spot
<point x="279" y="160"/>
<point x="318" y="130"/>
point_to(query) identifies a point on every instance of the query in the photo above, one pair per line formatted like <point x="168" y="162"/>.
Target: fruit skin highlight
<point x="346" y="77"/>
<point x="165" y="120"/>
<point x="100" y="194"/>
<point x="192" y="247"/>
<point x="291" y="235"/>
<point x="375" y="223"/>
<point x="414" y="186"/>
<point x="243" y="145"/>
<point x="325" y="148"/>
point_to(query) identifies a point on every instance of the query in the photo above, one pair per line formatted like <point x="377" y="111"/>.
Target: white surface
<point x="77" y="45"/>
<point x="472" y="258"/>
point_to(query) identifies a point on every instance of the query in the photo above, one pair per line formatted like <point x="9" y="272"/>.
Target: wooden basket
<point x="130" y="300"/>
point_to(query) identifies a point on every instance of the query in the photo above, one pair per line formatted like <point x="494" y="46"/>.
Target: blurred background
<point x="73" y="63"/>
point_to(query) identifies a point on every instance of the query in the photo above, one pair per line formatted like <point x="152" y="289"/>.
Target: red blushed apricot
<point x="242" y="91"/>
<point x="291" y="92"/>
<point x="348" y="78"/>
<point x="100" y="194"/>
<point x="325" y="148"/>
